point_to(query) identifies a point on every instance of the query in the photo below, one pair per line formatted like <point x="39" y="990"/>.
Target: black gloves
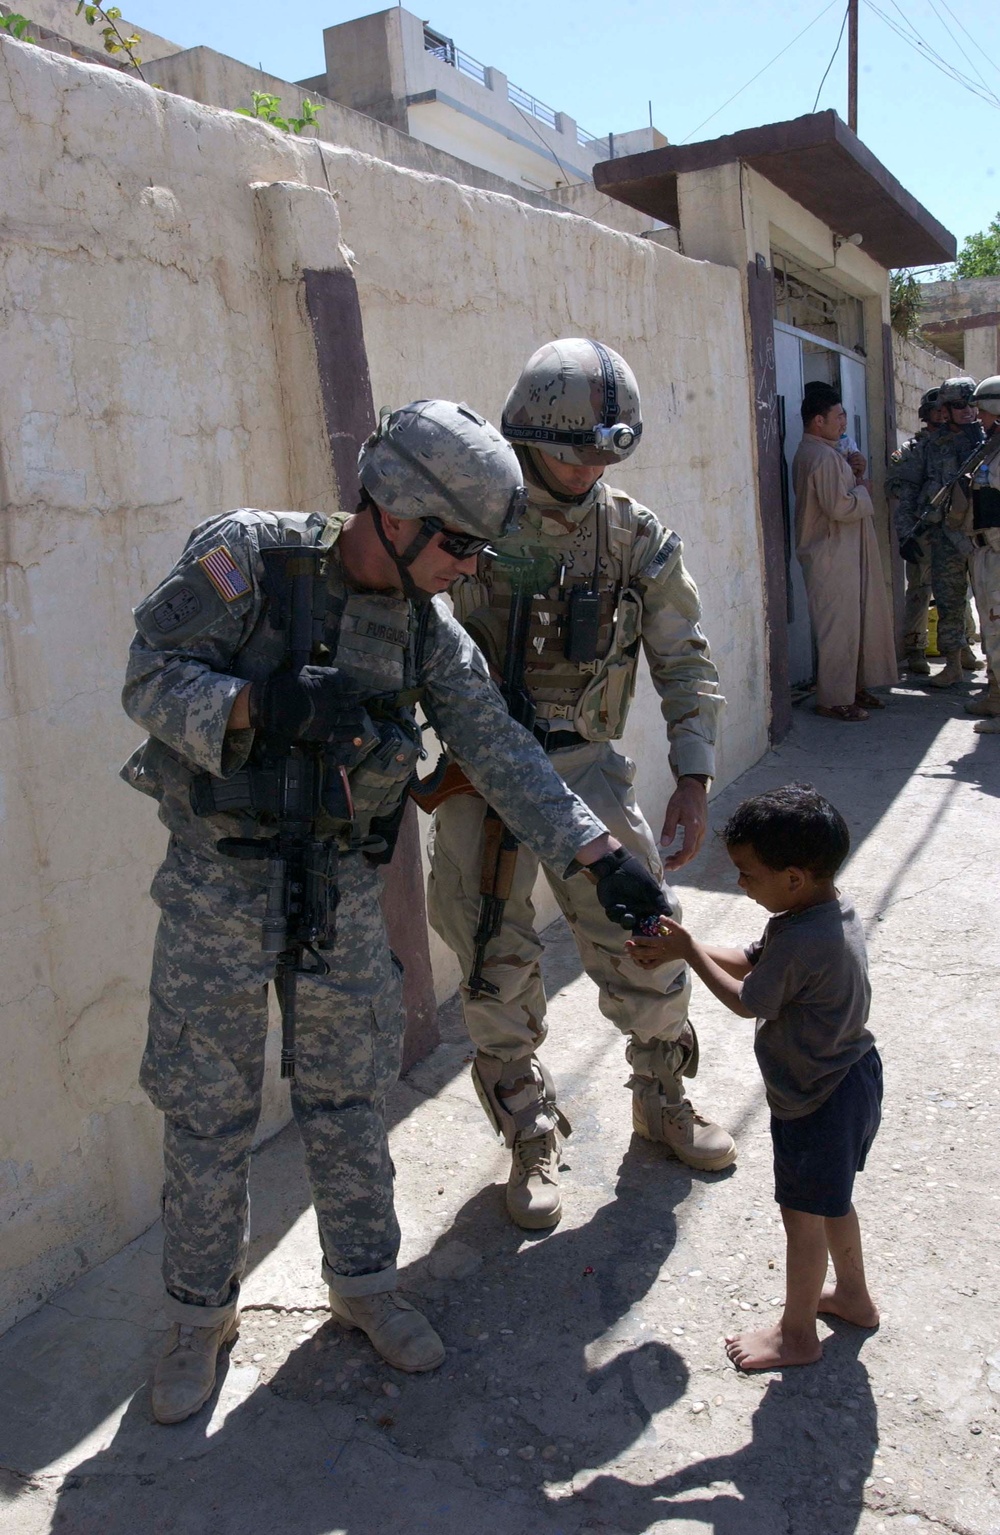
<point x="911" y="549"/>
<point x="627" y="890"/>
<point x="316" y="704"/>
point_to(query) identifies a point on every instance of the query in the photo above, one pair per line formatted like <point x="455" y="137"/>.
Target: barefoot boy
<point x="806" y="983"/>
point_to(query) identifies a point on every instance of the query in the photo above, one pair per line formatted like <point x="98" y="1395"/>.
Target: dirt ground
<point x="585" y="1387"/>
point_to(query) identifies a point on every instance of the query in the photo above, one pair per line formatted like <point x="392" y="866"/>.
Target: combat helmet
<point x="929" y="402"/>
<point x="576" y="400"/>
<point x="987" y="394"/>
<point x="445" y="465"/>
<point x="956" y="392"/>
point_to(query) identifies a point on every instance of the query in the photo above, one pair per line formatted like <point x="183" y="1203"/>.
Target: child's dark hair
<point x="791" y="827"/>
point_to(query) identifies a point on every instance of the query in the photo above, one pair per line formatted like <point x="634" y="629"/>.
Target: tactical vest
<point x="985" y="496"/>
<point x="591" y="697"/>
<point x="378" y="643"/>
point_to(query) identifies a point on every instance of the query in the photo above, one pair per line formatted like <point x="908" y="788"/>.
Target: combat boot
<point x="661" y="1111"/>
<point x="970" y="661"/>
<point x="395" y="1329"/>
<point x="950" y="673"/>
<point x="519" y="1098"/>
<point x="916" y="664"/>
<point x="184" y="1377"/>
<point x="987" y="705"/>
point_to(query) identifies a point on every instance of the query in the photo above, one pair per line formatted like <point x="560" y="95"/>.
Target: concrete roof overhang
<point x="817" y="161"/>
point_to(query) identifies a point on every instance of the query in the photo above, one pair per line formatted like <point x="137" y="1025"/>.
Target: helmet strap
<point x="403" y="561"/>
<point x="532" y="462"/>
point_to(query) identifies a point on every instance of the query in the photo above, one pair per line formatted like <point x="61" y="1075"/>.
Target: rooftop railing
<point x="444" y="49"/>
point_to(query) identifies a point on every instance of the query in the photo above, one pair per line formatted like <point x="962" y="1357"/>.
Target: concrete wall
<point x="154" y="371"/>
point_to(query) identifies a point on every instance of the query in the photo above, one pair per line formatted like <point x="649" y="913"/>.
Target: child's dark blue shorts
<point x="816" y="1157"/>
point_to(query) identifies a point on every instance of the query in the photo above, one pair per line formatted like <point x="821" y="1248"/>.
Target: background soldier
<point x="607" y="575"/>
<point x="985" y="560"/>
<point x="207" y="678"/>
<point x="916" y="479"/>
<point x="918" y="571"/>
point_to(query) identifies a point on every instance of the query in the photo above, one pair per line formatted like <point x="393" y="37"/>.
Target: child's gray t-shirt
<point x="809" y="989"/>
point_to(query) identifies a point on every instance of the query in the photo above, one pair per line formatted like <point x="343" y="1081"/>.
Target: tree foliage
<point x="980" y="253"/>
<point x="904" y="304"/>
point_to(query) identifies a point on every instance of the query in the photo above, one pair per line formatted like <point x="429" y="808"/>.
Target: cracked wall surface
<point x="140" y="393"/>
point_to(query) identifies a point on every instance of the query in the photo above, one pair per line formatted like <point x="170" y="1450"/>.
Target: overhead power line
<point x="761" y="71"/>
<point x="840" y="39"/>
<point x="970" y="61"/>
<point x="959" y="22"/>
<point x="921" y="46"/>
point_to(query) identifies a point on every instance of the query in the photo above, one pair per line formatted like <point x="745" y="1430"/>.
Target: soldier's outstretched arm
<point x="503" y="761"/>
<point x="177" y="685"/>
<point x="680" y="662"/>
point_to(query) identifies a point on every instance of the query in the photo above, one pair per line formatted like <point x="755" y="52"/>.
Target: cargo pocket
<point x="389" y="1021"/>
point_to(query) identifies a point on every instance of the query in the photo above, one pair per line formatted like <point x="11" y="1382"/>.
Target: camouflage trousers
<point x="918" y="596"/>
<point x="203" y="1067"/>
<point x="649" y="1004"/>
<point x="950" y="585"/>
<point x="985" y="565"/>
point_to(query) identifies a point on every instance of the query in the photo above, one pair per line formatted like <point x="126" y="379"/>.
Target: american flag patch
<point x="224" y="574"/>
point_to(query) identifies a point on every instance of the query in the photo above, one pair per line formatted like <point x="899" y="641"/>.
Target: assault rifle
<point x="499" y="843"/>
<point x="288" y="785"/>
<point x="986" y="451"/>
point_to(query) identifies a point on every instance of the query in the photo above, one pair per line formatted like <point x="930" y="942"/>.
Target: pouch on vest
<point x="602" y="707"/>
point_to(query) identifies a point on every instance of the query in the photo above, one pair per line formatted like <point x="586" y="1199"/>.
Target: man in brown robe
<point x="838" y="551"/>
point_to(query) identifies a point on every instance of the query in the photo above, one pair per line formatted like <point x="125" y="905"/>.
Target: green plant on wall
<point x="115" y="40"/>
<point x="268" y="109"/>
<point x="904" y="304"/>
<point x="17" y="26"/>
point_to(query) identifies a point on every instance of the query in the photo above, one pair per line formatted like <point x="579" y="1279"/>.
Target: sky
<point x="605" y="64"/>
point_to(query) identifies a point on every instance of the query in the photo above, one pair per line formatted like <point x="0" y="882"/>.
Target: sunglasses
<point x="460" y="546"/>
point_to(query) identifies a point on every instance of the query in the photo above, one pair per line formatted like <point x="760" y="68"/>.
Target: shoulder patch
<point x="666" y="550"/>
<point x="179" y="608"/>
<point x="224" y="573"/>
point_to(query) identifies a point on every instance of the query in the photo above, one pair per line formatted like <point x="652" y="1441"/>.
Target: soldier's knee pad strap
<point x="518" y="1097"/>
<point x="663" y="1061"/>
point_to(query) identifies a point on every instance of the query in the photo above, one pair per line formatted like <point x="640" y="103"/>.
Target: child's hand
<point x="671" y="943"/>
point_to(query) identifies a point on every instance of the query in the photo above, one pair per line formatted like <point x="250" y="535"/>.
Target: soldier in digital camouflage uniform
<point x="923" y="529"/>
<point x="206" y="679"/>
<point x="575" y="410"/>
<point x="918" y="572"/>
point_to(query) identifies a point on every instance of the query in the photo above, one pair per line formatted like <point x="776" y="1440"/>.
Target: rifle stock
<point x="499" y="843"/>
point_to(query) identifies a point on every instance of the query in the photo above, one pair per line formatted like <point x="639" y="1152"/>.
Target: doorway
<point x="801" y="358"/>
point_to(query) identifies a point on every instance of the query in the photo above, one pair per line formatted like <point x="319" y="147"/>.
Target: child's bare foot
<point x="771" y="1349"/>
<point x="859" y="1309"/>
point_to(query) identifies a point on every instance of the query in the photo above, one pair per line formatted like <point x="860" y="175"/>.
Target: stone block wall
<point x="917" y="369"/>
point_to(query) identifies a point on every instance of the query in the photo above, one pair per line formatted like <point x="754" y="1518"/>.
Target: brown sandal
<point x="848" y="712"/>
<point x="868" y="700"/>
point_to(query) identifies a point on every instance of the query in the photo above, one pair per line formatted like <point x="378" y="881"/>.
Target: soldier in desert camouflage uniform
<point x="915" y="480"/>
<point x="205" y="678"/>
<point x="574" y="410"/>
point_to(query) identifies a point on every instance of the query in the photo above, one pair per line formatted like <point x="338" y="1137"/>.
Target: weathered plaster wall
<point x="153" y="373"/>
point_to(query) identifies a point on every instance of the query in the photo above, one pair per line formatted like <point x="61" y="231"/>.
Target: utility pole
<point x="852" y="65"/>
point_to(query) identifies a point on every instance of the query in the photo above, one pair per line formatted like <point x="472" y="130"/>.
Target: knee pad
<point x="518" y="1097"/>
